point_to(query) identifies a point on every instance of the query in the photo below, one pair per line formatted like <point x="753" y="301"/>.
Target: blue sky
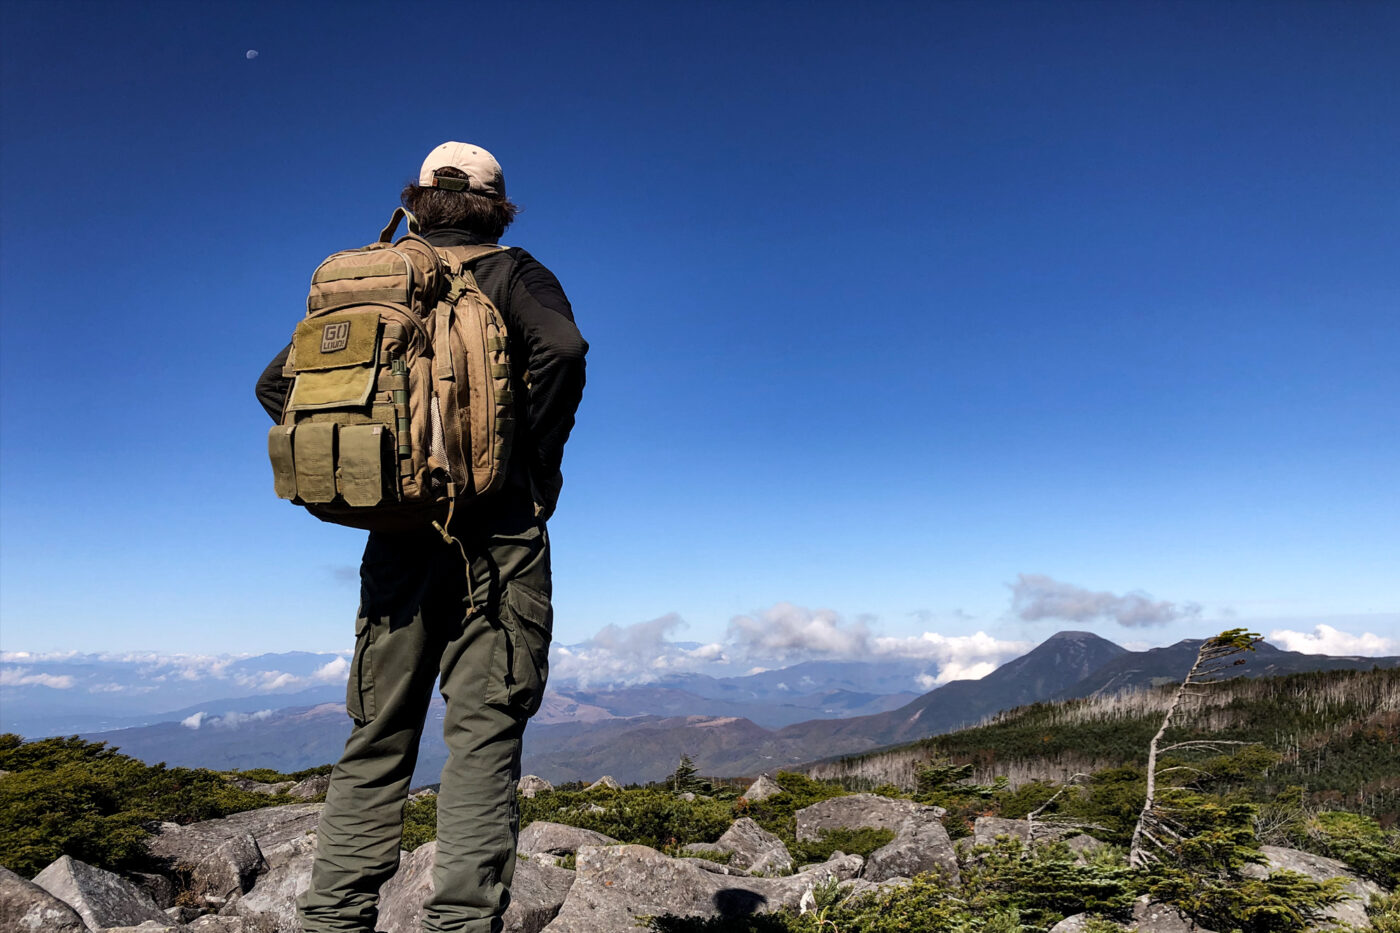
<point x="892" y="309"/>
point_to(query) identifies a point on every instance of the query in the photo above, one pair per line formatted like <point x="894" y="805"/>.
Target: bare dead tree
<point x="1154" y="833"/>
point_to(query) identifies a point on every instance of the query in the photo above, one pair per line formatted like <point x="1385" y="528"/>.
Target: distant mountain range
<point x="1155" y="666"/>
<point x="76" y="693"/>
<point x="728" y="726"/>
<point x="66" y="694"/>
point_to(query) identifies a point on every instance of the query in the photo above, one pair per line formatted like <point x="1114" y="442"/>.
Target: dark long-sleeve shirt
<point x="544" y="342"/>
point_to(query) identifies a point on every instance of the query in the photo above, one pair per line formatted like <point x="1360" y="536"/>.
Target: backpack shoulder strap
<point x="459" y="257"/>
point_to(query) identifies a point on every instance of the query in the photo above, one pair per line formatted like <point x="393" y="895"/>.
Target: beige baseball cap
<point x="481" y="168"/>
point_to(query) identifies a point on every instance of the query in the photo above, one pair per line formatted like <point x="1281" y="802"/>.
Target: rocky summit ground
<point x="241" y="874"/>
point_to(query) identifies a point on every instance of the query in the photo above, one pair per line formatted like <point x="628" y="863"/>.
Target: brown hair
<point x="487" y="217"/>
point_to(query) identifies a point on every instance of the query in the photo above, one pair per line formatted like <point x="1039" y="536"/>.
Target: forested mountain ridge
<point x="1337" y="733"/>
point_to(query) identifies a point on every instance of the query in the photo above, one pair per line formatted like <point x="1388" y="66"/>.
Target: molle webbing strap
<point x="398" y="297"/>
<point x="360" y="272"/>
<point x="442" y="342"/>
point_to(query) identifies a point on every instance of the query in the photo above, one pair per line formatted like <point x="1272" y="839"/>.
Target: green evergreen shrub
<point x="1110" y="800"/>
<point x="850" y="841"/>
<point x="1046" y="883"/>
<point x="1384" y="912"/>
<point x="67" y="796"/>
<point x="686" y="779"/>
<point x="269" y="776"/>
<point x="1284" y="902"/>
<point x="1357" y="840"/>
<point x="419" y="821"/>
<point x="1200" y="872"/>
<point x="648" y="816"/>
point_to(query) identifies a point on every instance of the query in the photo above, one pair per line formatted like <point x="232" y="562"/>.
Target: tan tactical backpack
<point x="400" y="405"/>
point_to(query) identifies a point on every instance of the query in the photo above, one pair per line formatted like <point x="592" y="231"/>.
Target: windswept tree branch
<point x="1210" y="660"/>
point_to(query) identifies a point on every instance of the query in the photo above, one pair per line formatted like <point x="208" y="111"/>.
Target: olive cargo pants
<point x="417" y="624"/>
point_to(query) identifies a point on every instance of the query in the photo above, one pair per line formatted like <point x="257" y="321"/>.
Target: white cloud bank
<point x="1034" y="597"/>
<point x="629" y="654"/>
<point x="268" y="681"/>
<point x="788" y="634"/>
<point x="1324" y="639"/>
<point x="141" y="672"/>
<point x="333" y="672"/>
<point x="20" y="677"/>
<point x="780" y="636"/>
<point x="233" y="720"/>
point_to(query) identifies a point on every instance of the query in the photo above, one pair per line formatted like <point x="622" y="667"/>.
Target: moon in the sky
<point x="251" y="54"/>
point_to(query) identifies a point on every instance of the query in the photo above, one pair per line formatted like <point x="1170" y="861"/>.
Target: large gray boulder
<point x="222" y="859"/>
<point x="230" y="868"/>
<point x="606" y="782"/>
<point x="986" y="829"/>
<point x="704" y="850"/>
<point x="272" y="829"/>
<point x="761" y="789"/>
<point x="718" y="868"/>
<point x="543" y="836"/>
<point x="259" y="787"/>
<point x="616" y="884"/>
<point x="859" y="811"/>
<point x="27" y="908"/>
<point x="271" y="904"/>
<point x="754" y="848"/>
<point x="1321" y="868"/>
<point x="159" y="887"/>
<point x="314" y="786"/>
<point x="101" y="898"/>
<point x="1075" y="924"/>
<point x="532" y="784"/>
<point x="1151" y="916"/>
<point x="920" y="845"/>
<point x="402" y="898"/>
<point x="536" y="894"/>
<point x="184" y="915"/>
<point x="1083" y="846"/>
<point x="212" y="923"/>
<point x="859" y="888"/>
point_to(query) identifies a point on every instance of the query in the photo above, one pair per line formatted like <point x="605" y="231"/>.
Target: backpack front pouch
<point x="338" y="439"/>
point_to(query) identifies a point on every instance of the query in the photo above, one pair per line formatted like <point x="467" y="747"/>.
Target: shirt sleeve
<point x="273" y="387"/>
<point x="554" y="364"/>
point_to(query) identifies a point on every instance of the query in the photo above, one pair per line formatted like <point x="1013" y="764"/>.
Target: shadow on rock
<point x="736" y="902"/>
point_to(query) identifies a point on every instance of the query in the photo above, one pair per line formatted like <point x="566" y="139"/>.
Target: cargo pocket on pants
<point x="520" y="664"/>
<point x="359" y="691"/>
